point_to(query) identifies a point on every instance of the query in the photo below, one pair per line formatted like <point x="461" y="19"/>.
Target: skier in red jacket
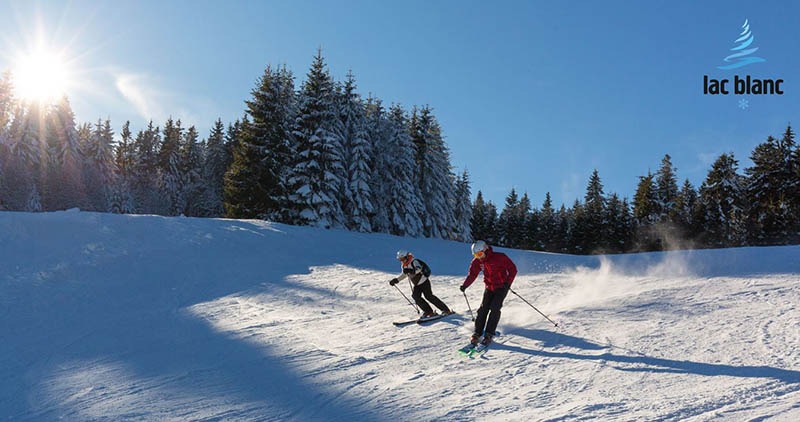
<point x="498" y="274"/>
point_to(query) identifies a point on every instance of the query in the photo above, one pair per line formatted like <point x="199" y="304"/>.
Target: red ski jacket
<point x="497" y="270"/>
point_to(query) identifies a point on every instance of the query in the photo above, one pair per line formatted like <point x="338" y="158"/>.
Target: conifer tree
<point x="124" y="153"/>
<point x="491" y="224"/>
<point x="25" y="151"/>
<point x="217" y="160"/>
<point x="99" y="166"/>
<point x="590" y="227"/>
<point x="6" y="102"/>
<point x="257" y="183"/>
<point x="722" y="198"/>
<point x="532" y="229"/>
<point x="376" y="127"/>
<point x="434" y="176"/>
<point x="685" y="206"/>
<point x="380" y="180"/>
<point x="463" y="209"/>
<point x="645" y="213"/>
<point x="480" y="218"/>
<point x="771" y="190"/>
<point x="145" y="171"/>
<point x="190" y="171"/>
<point x="352" y="130"/>
<point x="318" y="174"/>
<point x="617" y="231"/>
<point x="170" y="179"/>
<point x="564" y="228"/>
<point x="666" y="190"/>
<point x="548" y="226"/>
<point x="400" y="193"/>
<point x="64" y="185"/>
<point x="577" y="229"/>
<point x="508" y="224"/>
<point x="121" y="199"/>
<point x="527" y="225"/>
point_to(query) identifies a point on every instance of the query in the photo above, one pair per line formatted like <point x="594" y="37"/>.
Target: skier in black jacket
<point x="413" y="269"/>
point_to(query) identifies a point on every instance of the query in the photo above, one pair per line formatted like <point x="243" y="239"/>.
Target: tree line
<point x="319" y="155"/>
<point x="322" y="155"/>
<point x="757" y="208"/>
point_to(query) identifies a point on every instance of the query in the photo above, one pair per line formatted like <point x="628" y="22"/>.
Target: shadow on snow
<point x="639" y="362"/>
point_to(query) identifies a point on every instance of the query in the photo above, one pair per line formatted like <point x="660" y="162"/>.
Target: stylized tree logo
<point x="742" y="55"/>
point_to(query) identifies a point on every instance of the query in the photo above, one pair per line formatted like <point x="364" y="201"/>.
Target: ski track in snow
<point x="151" y="318"/>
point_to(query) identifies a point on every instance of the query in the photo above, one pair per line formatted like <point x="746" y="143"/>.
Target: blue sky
<point x="531" y="95"/>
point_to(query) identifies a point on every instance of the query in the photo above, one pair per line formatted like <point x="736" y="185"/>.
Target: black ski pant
<point x="490" y="307"/>
<point x="424" y="288"/>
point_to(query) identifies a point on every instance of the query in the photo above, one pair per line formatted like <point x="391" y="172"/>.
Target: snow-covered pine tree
<point x="6" y="103"/>
<point x="645" y="213"/>
<point x="434" y="174"/>
<point x="255" y="185"/>
<point x="358" y="156"/>
<point x="509" y="224"/>
<point x="594" y="215"/>
<point x="685" y="206"/>
<point x="791" y="151"/>
<point x="190" y="167"/>
<point x="217" y="160"/>
<point x="480" y="218"/>
<point x="526" y="215"/>
<point x="564" y="230"/>
<point x="645" y="200"/>
<point x="617" y="231"/>
<point x="575" y="240"/>
<point x="64" y="185"/>
<point x="20" y="161"/>
<point x="666" y="190"/>
<point x="99" y="166"/>
<point x="463" y="209"/>
<point x="491" y="223"/>
<point x="396" y="164"/>
<point x="377" y="127"/>
<point x="548" y="226"/>
<point x="795" y="194"/>
<point x="169" y="157"/>
<point x="722" y="198"/>
<point x="770" y="189"/>
<point x="122" y="201"/>
<point x="124" y="153"/>
<point x="318" y="173"/>
<point x="145" y="171"/>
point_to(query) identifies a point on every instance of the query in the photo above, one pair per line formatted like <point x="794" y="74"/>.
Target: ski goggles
<point x="479" y="254"/>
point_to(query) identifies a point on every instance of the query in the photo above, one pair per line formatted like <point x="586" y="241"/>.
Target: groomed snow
<point x="149" y="318"/>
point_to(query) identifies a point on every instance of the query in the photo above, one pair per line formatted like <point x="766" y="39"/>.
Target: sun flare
<point x="40" y="76"/>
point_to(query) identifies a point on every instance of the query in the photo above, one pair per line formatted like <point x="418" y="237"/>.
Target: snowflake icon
<point x="743" y="103"/>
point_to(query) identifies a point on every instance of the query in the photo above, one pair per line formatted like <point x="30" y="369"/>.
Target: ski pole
<point x="468" y="307"/>
<point x="529" y="304"/>
<point x="409" y="302"/>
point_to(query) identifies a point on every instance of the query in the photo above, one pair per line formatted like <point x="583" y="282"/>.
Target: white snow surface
<point x="120" y="317"/>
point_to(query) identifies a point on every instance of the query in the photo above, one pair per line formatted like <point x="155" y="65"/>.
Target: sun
<point x="40" y="76"/>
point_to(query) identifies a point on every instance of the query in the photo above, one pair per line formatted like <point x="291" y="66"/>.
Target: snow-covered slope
<point x="150" y="318"/>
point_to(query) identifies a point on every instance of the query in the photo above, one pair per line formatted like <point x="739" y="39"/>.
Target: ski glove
<point x="462" y="288"/>
<point x="408" y="271"/>
<point x="393" y="281"/>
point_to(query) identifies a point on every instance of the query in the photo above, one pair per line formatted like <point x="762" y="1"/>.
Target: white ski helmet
<point x="479" y="246"/>
<point x="402" y="254"/>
